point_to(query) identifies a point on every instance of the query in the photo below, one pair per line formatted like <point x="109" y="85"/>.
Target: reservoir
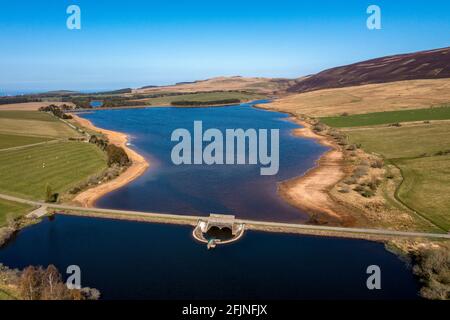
<point x="239" y="190"/>
<point x="132" y="260"/>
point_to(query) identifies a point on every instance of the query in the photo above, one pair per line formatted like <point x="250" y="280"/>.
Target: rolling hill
<point x="236" y="83"/>
<point x="431" y="64"/>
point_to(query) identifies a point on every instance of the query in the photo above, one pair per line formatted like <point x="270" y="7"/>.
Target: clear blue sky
<point x="131" y="43"/>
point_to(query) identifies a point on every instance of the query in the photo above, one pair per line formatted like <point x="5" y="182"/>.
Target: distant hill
<point x="432" y="64"/>
<point x="236" y="83"/>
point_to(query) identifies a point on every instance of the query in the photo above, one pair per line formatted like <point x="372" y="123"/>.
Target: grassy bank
<point x="420" y="153"/>
<point x="378" y="118"/>
<point x="11" y="210"/>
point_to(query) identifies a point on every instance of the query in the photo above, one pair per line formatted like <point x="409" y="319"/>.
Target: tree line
<point x="204" y="103"/>
<point x="10" y="100"/>
<point x="57" y="111"/>
<point x="38" y="283"/>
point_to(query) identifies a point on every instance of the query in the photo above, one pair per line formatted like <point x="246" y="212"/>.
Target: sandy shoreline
<point x="310" y="192"/>
<point x="138" y="167"/>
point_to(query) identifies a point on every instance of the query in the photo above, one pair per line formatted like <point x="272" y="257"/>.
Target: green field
<point x="26" y="115"/>
<point x="426" y="186"/>
<point x="378" y="118"/>
<point x="10" y="210"/>
<point x="403" y="142"/>
<point x="203" y="97"/>
<point x="26" y="172"/>
<point x="10" y="141"/>
<point x="34" y="123"/>
<point x="414" y="150"/>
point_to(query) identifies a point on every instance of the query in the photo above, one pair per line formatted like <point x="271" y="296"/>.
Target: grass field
<point x="426" y="187"/>
<point x="203" y="97"/>
<point x="400" y="95"/>
<point x="26" y="172"/>
<point x="413" y="148"/>
<point x="27" y="115"/>
<point x="34" y="123"/>
<point x="403" y="142"/>
<point x="378" y="118"/>
<point x="10" y="141"/>
<point x="11" y="210"/>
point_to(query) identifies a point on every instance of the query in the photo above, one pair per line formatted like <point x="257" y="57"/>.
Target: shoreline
<point x="139" y="165"/>
<point x="310" y="192"/>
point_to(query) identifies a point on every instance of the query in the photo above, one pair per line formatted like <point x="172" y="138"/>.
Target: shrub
<point x="319" y="127"/>
<point x="99" y="142"/>
<point x="350" y="180"/>
<point x="367" y="193"/>
<point x="118" y="156"/>
<point x="360" y="171"/>
<point x="432" y="266"/>
<point x="50" y="196"/>
<point x="377" y="163"/>
<point x="37" y="283"/>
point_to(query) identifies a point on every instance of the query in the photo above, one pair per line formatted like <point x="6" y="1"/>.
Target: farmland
<point x="408" y="141"/>
<point x="426" y="187"/>
<point x="11" y="141"/>
<point x="33" y="123"/>
<point x="421" y="153"/>
<point x="388" y="117"/>
<point x="27" y="172"/>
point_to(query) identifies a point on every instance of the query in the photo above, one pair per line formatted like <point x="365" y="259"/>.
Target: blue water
<point x="132" y="260"/>
<point x="96" y="103"/>
<point x="202" y="189"/>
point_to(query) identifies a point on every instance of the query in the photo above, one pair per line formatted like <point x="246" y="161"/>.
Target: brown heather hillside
<point x="432" y="64"/>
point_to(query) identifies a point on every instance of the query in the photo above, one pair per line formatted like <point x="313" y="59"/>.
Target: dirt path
<point x="138" y="167"/>
<point x="310" y="191"/>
